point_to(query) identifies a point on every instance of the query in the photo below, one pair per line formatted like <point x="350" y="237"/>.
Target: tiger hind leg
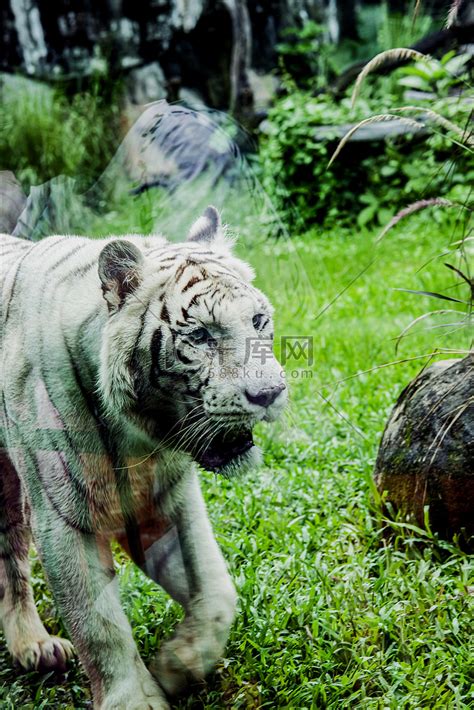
<point x="28" y="641"/>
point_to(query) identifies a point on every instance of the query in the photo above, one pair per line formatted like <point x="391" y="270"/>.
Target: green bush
<point x="44" y="133"/>
<point x="368" y="182"/>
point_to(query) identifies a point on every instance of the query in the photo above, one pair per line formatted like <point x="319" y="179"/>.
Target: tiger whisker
<point x="162" y="444"/>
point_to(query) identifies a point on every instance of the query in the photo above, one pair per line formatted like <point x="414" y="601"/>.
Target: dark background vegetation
<point x="284" y="69"/>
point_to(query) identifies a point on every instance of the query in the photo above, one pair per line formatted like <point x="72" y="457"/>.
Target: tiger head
<point x="187" y="356"/>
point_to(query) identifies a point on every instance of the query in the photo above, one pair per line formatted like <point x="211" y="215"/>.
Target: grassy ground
<point x="330" y="615"/>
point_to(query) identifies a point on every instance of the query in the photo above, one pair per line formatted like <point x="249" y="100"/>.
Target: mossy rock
<point x="426" y="456"/>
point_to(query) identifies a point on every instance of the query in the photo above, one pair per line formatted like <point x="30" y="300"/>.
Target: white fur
<point x="66" y="345"/>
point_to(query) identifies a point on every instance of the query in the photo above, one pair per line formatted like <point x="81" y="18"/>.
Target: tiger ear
<point x="207" y="227"/>
<point x="120" y="267"/>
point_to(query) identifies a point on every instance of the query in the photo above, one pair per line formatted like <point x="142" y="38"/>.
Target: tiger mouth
<point x="226" y="449"/>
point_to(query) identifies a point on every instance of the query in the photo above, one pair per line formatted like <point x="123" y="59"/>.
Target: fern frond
<point x="373" y="119"/>
<point x="389" y="55"/>
<point x="415" y="207"/>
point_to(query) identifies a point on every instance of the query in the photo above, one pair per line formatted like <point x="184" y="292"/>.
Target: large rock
<point x="426" y="456"/>
<point x="12" y="201"/>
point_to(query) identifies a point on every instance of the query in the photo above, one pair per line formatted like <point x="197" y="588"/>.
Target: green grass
<point x="331" y="614"/>
<point x="43" y="133"/>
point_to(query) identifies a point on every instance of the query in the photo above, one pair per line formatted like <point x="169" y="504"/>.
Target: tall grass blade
<point x="389" y="55"/>
<point x="415" y="207"/>
<point x="432" y="294"/>
<point x="373" y="119"/>
<point x="453" y="13"/>
<point x="440" y="120"/>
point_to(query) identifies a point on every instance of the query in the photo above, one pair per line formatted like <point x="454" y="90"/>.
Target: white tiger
<point x="124" y="361"/>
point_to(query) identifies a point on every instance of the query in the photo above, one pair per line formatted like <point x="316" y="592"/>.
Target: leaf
<point x="460" y="273"/>
<point x="424" y="71"/>
<point x="432" y="294"/>
<point x="366" y="215"/>
<point x="384" y="214"/>
<point x="414" y="82"/>
<point x="446" y="57"/>
<point x="454" y="65"/>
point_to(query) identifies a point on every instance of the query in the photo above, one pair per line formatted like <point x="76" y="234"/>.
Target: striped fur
<point x="123" y="363"/>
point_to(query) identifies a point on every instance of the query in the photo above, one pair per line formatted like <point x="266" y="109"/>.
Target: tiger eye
<point x="199" y="336"/>
<point x="258" y="321"/>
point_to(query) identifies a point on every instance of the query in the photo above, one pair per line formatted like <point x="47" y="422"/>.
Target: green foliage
<point x="402" y="30"/>
<point x="368" y="183"/>
<point x="302" y="52"/>
<point x="44" y="133"/>
<point x="310" y="59"/>
<point x="436" y="76"/>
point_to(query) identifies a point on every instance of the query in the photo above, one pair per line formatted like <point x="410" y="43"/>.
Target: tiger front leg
<point x="80" y="571"/>
<point x="190" y="566"/>
<point x="30" y="645"/>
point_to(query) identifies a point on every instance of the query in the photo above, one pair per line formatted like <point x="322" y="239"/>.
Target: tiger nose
<point x="265" y="397"/>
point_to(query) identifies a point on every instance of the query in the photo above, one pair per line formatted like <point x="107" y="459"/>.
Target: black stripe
<point x="51" y="498"/>
<point x="48" y="295"/>
<point x="33" y="247"/>
<point x="186" y="543"/>
<point x="182" y="358"/>
<point x="65" y="257"/>
<point x="15" y="250"/>
<point x="192" y="281"/>
<point x="50" y="243"/>
<point x="19" y="265"/>
<point x="165" y="315"/>
<point x="89" y="398"/>
<point x="139" y="336"/>
<point x="156" y="344"/>
<point x="137" y="374"/>
<point x="180" y="270"/>
<point x="154" y="250"/>
<point x="78" y="273"/>
<point x="195" y="299"/>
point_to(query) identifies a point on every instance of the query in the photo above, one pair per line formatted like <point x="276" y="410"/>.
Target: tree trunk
<point x="347" y="19"/>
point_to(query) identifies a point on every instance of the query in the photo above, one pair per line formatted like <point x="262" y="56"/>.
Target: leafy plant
<point x="460" y="137"/>
<point x="373" y="180"/>
<point x="402" y="29"/>
<point x="436" y="76"/>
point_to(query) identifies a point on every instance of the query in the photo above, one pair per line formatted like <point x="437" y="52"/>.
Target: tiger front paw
<point x="135" y="694"/>
<point x="185" y="659"/>
<point x="50" y="653"/>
